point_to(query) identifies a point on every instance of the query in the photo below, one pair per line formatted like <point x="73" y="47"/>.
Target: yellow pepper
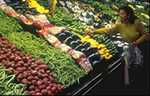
<point x="104" y="52"/>
<point x="37" y="6"/>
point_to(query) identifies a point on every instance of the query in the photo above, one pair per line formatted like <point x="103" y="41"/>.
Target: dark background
<point x="139" y="79"/>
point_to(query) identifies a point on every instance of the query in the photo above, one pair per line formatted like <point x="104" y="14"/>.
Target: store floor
<point x="139" y="80"/>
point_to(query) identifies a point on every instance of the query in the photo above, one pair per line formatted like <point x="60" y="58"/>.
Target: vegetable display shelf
<point x="88" y="82"/>
<point x="101" y="69"/>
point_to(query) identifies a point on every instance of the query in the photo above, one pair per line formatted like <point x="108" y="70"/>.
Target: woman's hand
<point x="135" y="44"/>
<point x="89" y="31"/>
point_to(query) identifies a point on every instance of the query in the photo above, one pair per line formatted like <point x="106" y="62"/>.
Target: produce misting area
<point x="43" y="54"/>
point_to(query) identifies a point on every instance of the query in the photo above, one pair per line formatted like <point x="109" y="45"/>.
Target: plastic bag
<point x="133" y="55"/>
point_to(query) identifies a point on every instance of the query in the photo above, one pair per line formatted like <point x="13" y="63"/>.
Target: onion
<point x="13" y="49"/>
<point x="33" y="65"/>
<point x="34" y="73"/>
<point x="21" y="69"/>
<point x="25" y="81"/>
<point x="44" y="92"/>
<point x="37" y="90"/>
<point x="48" y="88"/>
<point x="53" y="89"/>
<point x="20" y="76"/>
<point x="45" y="75"/>
<point x="29" y="73"/>
<point x="50" y="93"/>
<point x="38" y="94"/>
<point x="20" y="62"/>
<point x="8" y="54"/>
<point x="45" y="79"/>
<point x="30" y="78"/>
<point x="25" y="74"/>
<point x="17" y="65"/>
<point x="43" y="66"/>
<point x="39" y="82"/>
<point x="36" y="77"/>
<point x="26" y="65"/>
<point x="17" y="58"/>
<point x="41" y="71"/>
<point x="34" y="82"/>
<point x="12" y="57"/>
<point x="42" y="87"/>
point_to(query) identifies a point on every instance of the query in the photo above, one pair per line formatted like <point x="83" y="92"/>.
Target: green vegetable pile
<point x="63" y="18"/>
<point x="8" y="85"/>
<point x="104" y="8"/>
<point x="64" y="68"/>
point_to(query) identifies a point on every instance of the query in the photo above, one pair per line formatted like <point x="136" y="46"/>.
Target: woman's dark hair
<point x="130" y="13"/>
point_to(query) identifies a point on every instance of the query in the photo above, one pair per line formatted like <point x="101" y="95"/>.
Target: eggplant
<point x="90" y="51"/>
<point x="63" y="36"/>
<point x="86" y="44"/>
<point x="81" y="48"/>
<point x="75" y="37"/>
<point x="95" y="58"/>
<point x="68" y="40"/>
<point x="74" y="44"/>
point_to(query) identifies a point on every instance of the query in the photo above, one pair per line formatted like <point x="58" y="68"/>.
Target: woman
<point x="132" y="31"/>
<point x="128" y="26"/>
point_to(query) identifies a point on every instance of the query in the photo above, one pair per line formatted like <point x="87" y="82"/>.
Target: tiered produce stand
<point x="41" y="54"/>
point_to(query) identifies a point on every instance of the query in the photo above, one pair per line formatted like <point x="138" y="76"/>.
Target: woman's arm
<point x="111" y="28"/>
<point x="102" y="30"/>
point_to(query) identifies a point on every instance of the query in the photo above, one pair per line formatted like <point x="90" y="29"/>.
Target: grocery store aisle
<point x="114" y="83"/>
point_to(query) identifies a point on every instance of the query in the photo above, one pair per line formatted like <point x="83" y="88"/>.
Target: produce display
<point x="31" y="72"/>
<point x="41" y="54"/>
<point x="48" y="31"/>
<point x="39" y="48"/>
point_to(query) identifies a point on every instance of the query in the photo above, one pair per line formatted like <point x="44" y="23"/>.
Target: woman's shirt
<point x="129" y="32"/>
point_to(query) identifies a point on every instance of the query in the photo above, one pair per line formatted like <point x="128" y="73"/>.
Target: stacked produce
<point x="75" y="15"/>
<point x="108" y="42"/>
<point x="37" y="23"/>
<point x="75" y="42"/>
<point x="66" y="73"/>
<point x="87" y="14"/>
<point x="61" y="14"/>
<point x="63" y="18"/>
<point x="31" y="72"/>
<point x="47" y="30"/>
<point x="102" y="48"/>
<point x="8" y="86"/>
